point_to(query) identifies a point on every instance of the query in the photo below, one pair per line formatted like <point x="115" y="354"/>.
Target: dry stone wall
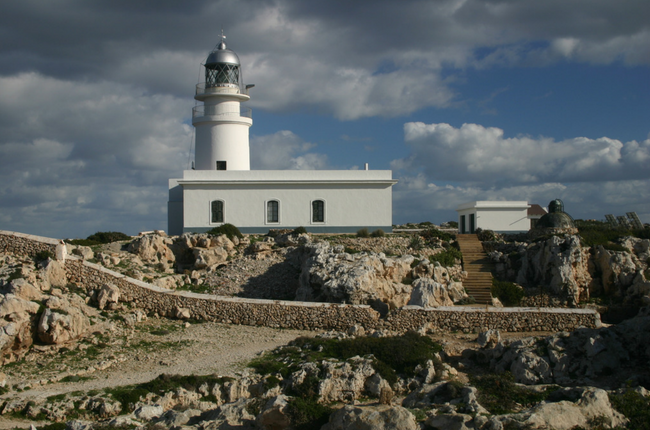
<point x="25" y="244"/>
<point x="301" y="315"/>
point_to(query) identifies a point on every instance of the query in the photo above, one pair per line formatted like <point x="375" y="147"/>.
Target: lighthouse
<point x="221" y="122"/>
<point x="221" y="188"/>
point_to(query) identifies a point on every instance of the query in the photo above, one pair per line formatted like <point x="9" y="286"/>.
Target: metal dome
<point x="222" y="55"/>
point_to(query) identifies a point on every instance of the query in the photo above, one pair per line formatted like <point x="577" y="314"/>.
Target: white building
<point x="223" y="189"/>
<point x="499" y="216"/>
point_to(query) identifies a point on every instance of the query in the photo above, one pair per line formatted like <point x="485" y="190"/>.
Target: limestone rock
<point x="380" y="417"/>
<point x="84" y="252"/>
<point x="364" y="278"/>
<point x="148" y="412"/>
<point x="489" y="338"/>
<point x="107" y="294"/>
<point x="209" y="257"/>
<point x="153" y="249"/>
<point x="61" y="322"/>
<point x="274" y="415"/>
<point x="428" y="293"/>
<point x="52" y="274"/>
<point x="344" y="381"/>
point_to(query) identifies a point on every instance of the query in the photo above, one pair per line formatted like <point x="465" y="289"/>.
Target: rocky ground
<point x="84" y="360"/>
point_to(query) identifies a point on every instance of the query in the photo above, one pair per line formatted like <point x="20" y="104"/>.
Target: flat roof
<point x="493" y="204"/>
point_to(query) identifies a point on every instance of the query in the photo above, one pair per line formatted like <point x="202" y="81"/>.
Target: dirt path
<point x="154" y="347"/>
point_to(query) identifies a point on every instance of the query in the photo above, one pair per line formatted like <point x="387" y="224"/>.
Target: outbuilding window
<point x="318" y="211"/>
<point x="217" y="211"/>
<point x="272" y="211"/>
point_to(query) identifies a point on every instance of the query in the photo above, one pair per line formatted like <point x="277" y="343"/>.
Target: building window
<point x="217" y="211"/>
<point x="272" y="209"/>
<point x="221" y="165"/>
<point x="318" y="211"/>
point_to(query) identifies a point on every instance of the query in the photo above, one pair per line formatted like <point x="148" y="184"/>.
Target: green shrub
<point x="416" y="243"/>
<point x="227" y="229"/>
<point x="42" y="256"/>
<point x="434" y="233"/>
<point x="485" y="235"/>
<point x="363" y="232"/>
<point x="378" y="233"/>
<point x="508" y="293"/>
<point x="99" y="238"/>
<point x="448" y="257"/>
<point x="299" y="230"/>
<point x="108" y="236"/>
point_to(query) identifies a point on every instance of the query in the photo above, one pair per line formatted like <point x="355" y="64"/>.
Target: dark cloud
<point x="96" y="96"/>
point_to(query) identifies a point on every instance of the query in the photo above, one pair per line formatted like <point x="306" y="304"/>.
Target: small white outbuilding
<point x="223" y="189"/>
<point x="498" y="216"/>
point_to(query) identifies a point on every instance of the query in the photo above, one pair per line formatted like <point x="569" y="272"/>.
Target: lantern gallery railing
<point x="224" y="88"/>
<point x="199" y="111"/>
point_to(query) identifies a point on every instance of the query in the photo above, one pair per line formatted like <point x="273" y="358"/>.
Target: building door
<point x="462" y="224"/>
<point x="471" y="223"/>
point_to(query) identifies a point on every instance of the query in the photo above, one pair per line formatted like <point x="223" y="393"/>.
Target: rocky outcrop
<point x="581" y="355"/>
<point x="429" y="293"/>
<point x="560" y="267"/>
<point x="154" y="249"/>
<point x="332" y="275"/>
<point x="380" y="417"/>
<point x="329" y="274"/>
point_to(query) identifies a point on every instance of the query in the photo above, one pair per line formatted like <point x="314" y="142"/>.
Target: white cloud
<point x="474" y="153"/>
<point x="284" y="150"/>
<point x="80" y="157"/>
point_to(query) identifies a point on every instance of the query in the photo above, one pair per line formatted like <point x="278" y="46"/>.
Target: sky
<point x="462" y="99"/>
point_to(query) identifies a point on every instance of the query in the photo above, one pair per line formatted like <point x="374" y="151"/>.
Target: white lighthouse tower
<point x="221" y="123"/>
<point x="221" y="188"/>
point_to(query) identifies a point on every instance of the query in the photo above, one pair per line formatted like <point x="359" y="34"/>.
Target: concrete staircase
<point x="478" y="267"/>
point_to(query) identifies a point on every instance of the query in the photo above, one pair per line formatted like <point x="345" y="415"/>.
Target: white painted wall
<point x="221" y="133"/>
<point x="500" y="216"/>
<point x="353" y="199"/>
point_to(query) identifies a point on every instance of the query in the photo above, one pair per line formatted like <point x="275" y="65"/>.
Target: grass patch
<point x="393" y="355"/>
<point x="199" y="289"/>
<point x="131" y="394"/>
<point x="307" y="413"/>
<point x="635" y="407"/>
<point x="500" y="395"/>
<point x="75" y="378"/>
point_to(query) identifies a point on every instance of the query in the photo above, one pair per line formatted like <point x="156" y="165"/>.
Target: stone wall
<point x="25" y="244"/>
<point x="302" y="315"/>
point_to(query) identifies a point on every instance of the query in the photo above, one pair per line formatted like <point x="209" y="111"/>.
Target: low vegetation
<point x="227" y="229"/>
<point x="593" y="233"/>
<point x="393" y="355"/>
<point x="499" y="394"/>
<point x="448" y="257"/>
<point x="508" y="293"/>
<point x="99" y="238"/>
